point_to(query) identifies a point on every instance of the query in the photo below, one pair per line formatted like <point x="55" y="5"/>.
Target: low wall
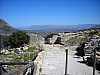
<point x="38" y="63"/>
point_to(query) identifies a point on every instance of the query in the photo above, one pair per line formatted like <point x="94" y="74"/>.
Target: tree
<point x="17" y="39"/>
<point x="80" y="51"/>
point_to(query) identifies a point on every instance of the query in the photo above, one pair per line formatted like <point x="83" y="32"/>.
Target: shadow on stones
<point x="83" y="62"/>
<point x="90" y="64"/>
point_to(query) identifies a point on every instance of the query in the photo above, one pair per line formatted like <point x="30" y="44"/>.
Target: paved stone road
<point x="54" y="63"/>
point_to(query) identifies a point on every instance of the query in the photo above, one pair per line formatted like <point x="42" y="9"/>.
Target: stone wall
<point x="36" y="39"/>
<point x="38" y="63"/>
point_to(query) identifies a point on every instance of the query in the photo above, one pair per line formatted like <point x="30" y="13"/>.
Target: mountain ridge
<point x="5" y="27"/>
<point x="60" y="28"/>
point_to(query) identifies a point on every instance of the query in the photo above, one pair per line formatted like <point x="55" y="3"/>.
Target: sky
<point x="20" y="13"/>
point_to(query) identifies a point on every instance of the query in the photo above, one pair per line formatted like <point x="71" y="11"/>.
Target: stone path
<point x="54" y="63"/>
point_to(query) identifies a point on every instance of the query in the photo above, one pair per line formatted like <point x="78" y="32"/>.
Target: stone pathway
<point x="54" y="62"/>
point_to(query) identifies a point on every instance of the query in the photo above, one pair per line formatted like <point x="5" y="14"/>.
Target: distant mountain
<point x="60" y="28"/>
<point x="97" y="26"/>
<point x="5" y="27"/>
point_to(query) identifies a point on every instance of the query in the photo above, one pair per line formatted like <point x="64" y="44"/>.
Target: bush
<point x="18" y="39"/>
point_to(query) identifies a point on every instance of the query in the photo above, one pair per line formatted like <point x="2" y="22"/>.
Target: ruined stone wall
<point x="36" y="39"/>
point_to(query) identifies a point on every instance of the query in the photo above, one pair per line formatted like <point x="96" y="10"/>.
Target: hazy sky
<point x="42" y="12"/>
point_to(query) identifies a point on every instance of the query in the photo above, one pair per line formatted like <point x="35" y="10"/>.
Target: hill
<point x="5" y="27"/>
